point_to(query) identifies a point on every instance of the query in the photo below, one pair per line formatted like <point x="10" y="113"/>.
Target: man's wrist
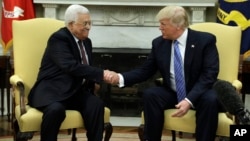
<point x="189" y="102"/>
<point x="121" y="81"/>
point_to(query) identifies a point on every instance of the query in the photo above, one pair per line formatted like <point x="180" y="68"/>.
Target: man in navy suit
<point x="200" y="64"/>
<point x="66" y="78"/>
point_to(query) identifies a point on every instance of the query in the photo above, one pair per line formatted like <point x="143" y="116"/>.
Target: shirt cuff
<point x="189" y="102"/>
<point x="121" y="81"/>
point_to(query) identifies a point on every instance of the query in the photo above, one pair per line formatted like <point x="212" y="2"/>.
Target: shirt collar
<point x="75" y="38"/>
<point x="183" y="38"/>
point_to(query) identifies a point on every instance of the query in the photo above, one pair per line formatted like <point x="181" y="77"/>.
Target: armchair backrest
<point x="29" y="42"/>
<point x="228" y="44"/>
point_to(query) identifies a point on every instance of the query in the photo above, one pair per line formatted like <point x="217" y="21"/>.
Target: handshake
<point x="111" y="77"/>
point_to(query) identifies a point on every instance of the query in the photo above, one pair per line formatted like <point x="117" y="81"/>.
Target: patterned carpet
<point x="115" y="137"/>
<point x="82" y="137"/>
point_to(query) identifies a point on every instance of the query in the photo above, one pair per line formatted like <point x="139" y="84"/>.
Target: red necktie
<point x="84" y="59"/>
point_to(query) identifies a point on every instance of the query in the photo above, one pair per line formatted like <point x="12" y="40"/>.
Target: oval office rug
<point x="114" y="137"/>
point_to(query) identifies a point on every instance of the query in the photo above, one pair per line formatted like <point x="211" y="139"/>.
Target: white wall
<point x="128" y="22"/>
<point x="210" y="15"/>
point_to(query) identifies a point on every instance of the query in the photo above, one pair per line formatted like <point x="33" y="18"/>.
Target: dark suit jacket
<point x="201" y="63"/>
<point x="61" y="72"/>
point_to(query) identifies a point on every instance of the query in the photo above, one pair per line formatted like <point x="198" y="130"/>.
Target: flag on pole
<point x="14" y="10"/>
<point x="236" y="13"/>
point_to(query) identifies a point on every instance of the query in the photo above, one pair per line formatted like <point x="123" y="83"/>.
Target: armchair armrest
<point x="19" y="95"/>
<point x="237" y="84"/>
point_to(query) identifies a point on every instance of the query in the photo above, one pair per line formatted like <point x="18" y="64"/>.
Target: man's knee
<point x="148" y="93"/>
<point x="55" y="109"/>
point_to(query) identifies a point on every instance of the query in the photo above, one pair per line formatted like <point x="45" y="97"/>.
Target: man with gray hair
<point x="66" y="79"/>
<point x="189" y="65"/>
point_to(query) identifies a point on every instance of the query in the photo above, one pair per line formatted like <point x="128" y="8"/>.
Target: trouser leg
<point x="93" y="114"/>
<point x="155" y="101"/>
<point x="53" y="116"/>
<point x="207" y="117"/>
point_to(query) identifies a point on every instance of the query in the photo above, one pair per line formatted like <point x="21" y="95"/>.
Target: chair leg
<point x="173" y="135"/>
<point x="69" y="131"/>
<point x="108" y="131"/>
<point x="21" y="136"/>
<point x="140" y="132"/>
<point x="73" y="138"/>
<point x="223" y="138"/>
<point x="180" y="134"/>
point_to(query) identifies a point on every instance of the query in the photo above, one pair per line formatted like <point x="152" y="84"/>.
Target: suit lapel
<point x="190" y="50"/>
<point x="88" y="50"/>
<point x="164" y="54"/>
<point x="168" y="46"/>
<point x="75" y="49"/>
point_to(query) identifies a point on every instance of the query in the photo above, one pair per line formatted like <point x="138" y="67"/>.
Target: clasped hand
<point x="111" y="77"/>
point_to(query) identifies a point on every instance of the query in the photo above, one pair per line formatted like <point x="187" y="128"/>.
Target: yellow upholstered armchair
<point x="228" y="44"/>
<point x="29" y="42"/>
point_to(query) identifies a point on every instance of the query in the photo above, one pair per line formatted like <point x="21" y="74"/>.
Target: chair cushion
<point x="31" y="121"/>
<point x="187" y="123"/>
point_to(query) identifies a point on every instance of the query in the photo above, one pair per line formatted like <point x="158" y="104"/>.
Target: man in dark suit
<point x="66" y="78"/>
<point x="200" y="62"/>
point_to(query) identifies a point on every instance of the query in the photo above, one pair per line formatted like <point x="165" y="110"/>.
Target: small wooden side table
<point x="5" y="72"/>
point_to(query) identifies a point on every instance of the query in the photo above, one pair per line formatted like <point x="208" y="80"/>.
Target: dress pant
<point x="91" y="108"/>
<point x="157" y="99"/>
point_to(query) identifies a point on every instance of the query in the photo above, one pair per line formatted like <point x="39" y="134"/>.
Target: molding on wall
<point x="127" y="12"/>
<point x="132" y="2"/>
<point x="130" y="23"/>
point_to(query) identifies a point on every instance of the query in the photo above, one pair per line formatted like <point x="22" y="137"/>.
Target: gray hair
<point x="176" y="14"/>
<point x="71" y="13"/>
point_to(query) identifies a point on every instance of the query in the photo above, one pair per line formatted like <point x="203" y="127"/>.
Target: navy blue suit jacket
<point x="201" y="63"/>
<point x="61" y="72"/>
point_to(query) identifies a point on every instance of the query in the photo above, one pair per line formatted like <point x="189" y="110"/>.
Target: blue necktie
<point x="179" y="76"/>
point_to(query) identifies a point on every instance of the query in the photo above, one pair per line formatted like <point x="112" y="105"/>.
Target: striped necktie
<point x="84" y="59"/>
<point x="179" y="76"/>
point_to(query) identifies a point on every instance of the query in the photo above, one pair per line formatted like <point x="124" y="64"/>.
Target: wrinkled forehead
<point x="82" y="17"/>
